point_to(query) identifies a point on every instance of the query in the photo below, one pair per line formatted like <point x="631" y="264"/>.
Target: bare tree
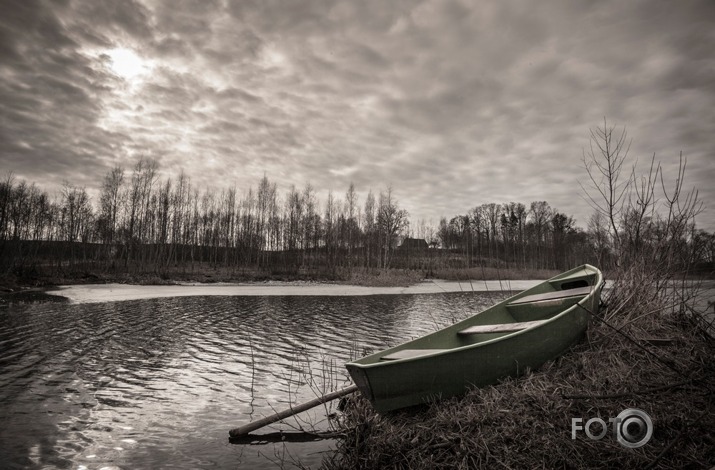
<point x="293" y="216"/>
<point x="493" y="212"/>
<point x="391" y="221"/>
<point x="5" y="198"/>
<point x="138" y="198"/>
<point x="76" y="217"/>
<point x="308" y="224"/>
<point x="562" y="228"/>
<point x="109" y="204"/>
<point x="598" y="230"/>
<point x="352" y="226"/>
<point x="604" y="161"/>
<point x="331" y="230"/>
<point x="540" y="212"/>
<point x="369" y="228"/>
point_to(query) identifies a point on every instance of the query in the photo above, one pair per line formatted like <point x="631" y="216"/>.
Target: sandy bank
<point x="89" y="293"/>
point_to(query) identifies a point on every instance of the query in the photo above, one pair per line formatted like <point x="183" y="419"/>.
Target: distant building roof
<point x="414" y="244"/>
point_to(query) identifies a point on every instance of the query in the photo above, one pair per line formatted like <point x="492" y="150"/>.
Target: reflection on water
<point x="152" y="383"/>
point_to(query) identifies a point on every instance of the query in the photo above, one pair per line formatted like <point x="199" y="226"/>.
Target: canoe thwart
<point x="409" y="353"/>
<point x="500" y="327"/>
<point x="559" y="294"/>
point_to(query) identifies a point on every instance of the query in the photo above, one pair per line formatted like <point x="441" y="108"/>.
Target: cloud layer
<point x="452" y="103"/>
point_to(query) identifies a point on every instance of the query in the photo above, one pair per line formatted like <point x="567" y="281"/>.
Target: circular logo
<point x="634" y="428"/>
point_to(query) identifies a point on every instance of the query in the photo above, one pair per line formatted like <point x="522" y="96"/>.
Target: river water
<point x="156" y="383"/>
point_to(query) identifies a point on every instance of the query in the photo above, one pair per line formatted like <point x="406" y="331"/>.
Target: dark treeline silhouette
<point x="141" y="224"/>
<point x="537" y="237"/>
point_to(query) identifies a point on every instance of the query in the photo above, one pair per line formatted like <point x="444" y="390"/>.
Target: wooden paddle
<point x="293" y="410"/>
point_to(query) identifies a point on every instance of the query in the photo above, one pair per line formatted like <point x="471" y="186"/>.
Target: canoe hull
<point x="397" y="384"/>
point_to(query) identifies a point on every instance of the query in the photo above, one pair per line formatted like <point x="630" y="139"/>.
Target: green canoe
<point x="519" y="333"/>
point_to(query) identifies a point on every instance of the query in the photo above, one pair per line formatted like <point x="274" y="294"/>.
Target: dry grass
<point x="491" y="274"/>
<point x="206" y="273"/>
<point x="381" y="277"/>
<point x="526" y="422"/>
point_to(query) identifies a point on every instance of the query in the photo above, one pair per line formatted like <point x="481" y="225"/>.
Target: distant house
<point x="414" y="244"/>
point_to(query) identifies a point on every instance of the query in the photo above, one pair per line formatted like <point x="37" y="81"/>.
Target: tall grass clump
<point x="649" y="347"/>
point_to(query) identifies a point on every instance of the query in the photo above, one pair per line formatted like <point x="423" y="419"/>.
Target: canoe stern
<point x="360" y="378"/>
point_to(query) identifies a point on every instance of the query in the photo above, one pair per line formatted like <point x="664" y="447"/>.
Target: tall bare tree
<point x="76" y="217"/>
<point x="352" y="226"/>
<point x="370" y="228"/>
<point x="109" y="204"/>
<point x="540" y="212"/>
<point x="391" y="221"/>
<point x="603" y="161"/>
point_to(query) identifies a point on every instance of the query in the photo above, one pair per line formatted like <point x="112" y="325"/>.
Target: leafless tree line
<point x="141" y="223"/>
<point x="511" y="235"/>
<point x="641" y="218"/>
<point x="637" y="219"/>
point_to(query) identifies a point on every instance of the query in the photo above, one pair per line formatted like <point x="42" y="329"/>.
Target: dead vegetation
<point x="642" y="354"/>
<point x="491" y="274"/>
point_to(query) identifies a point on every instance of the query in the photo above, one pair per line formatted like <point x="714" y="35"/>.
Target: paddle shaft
<point x="294" y="410"/>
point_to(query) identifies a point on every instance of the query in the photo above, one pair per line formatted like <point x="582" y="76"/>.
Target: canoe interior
<point x="579" y="281"/>
<point x="515" y="335"/>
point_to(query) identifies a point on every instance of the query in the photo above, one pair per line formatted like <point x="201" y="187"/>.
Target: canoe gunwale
<point x="551" y="296"/>
<point x="442" y="352"/>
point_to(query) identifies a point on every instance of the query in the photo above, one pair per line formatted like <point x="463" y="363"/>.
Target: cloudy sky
<point x="453" y="103"/>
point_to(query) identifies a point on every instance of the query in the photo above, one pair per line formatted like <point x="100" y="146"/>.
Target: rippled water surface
<point x="158" y="383"/>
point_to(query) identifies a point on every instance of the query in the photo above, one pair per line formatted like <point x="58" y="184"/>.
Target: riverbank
<point x="343" y="281"/>
<point x="372" y="277"/>
<point x="645" y="351"/>
<point x="526" y="422"/>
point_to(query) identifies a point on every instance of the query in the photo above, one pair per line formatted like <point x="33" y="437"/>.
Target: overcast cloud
<point x="452" y="103"/>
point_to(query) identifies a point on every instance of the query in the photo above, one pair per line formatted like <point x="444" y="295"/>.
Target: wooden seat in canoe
<point x="500" y="327"/>
<point x="408" y="353"/>
<point x="557" y="295"/>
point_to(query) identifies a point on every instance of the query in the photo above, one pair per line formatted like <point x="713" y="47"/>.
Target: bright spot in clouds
<point x="127" y="64"/>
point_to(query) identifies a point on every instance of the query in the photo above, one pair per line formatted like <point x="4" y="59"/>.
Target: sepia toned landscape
<point x="214" y="212"/>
